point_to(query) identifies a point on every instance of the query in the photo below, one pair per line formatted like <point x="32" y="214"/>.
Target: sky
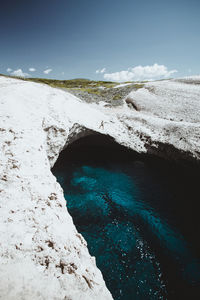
<point x="117" y="40"/>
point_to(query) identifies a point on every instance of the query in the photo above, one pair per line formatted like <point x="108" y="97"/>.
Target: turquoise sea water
<point x="138" y="221"/>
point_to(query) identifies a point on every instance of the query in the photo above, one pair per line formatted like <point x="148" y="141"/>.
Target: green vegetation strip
<point x="84" y="85"/>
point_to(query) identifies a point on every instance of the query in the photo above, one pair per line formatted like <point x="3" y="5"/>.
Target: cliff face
<point x="42" y="255"/>
<point x="167" y="114"/>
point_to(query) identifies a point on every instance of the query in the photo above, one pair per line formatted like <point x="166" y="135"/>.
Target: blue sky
<point x="122" y="39"/>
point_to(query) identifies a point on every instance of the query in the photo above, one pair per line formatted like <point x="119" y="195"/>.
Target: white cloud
<point x="139" y="73"/>
<point x="32" y="69"/>
<point x="19" y="73"/>
<point x="9" y="70"/>
<point x="101" y="71"/>
<point x="47" y="71"/>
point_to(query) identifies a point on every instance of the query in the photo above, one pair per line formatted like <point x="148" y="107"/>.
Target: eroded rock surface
<point x="41" y="253"/>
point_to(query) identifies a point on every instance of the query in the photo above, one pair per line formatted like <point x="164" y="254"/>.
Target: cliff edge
<point x="42" y="255"/>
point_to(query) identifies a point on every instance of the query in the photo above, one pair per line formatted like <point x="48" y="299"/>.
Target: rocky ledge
<point x="42" y="254"/>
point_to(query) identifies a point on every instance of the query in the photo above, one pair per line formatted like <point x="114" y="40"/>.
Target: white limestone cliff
<point x="42" y="255"/>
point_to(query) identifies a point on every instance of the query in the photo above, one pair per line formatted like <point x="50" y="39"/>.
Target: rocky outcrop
<point x="111" y="96"/>
<point x="168" y="118"/>
<point x="42" y="255"/>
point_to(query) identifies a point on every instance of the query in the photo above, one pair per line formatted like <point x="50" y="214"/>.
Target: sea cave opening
<point x="139" y="216"/>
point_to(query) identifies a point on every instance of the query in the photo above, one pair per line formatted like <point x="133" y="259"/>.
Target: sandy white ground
<point x="42" y="255"/>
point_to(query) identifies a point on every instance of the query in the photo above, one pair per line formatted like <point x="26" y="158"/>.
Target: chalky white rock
<point x="41" y="253"/>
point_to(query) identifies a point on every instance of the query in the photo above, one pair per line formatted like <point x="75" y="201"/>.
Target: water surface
<point x="139" y="218"/>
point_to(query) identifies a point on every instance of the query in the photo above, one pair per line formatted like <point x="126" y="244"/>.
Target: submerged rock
<point x="42" y="254"/>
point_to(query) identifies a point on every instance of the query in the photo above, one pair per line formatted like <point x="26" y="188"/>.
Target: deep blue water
<point x="139" y="218"/>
